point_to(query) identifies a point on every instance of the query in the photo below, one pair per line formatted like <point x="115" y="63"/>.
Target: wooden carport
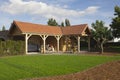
<point x="44" y="31"/>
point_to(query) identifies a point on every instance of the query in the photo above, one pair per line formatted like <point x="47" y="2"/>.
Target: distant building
<point x="4" y="35"/>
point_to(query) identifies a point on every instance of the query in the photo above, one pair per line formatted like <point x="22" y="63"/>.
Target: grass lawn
<point x="29" y="66"/>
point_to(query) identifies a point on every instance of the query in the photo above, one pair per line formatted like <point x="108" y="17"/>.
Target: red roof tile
<point x="74" y="30"/>
<point x="26" y="27"/>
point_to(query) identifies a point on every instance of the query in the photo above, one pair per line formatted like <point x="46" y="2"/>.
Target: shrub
<point x="112" y="47"/>
<point x="112" y="44"/>
<point x="11" y="47"/>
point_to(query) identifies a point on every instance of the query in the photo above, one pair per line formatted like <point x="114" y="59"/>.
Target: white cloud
<point x="91" y="9"/>
<point x="18" y="7"/>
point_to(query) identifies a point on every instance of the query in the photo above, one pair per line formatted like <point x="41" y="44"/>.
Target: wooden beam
<point x="78" y="38"/>
<point x="88" y="43"/>
<point x="44" y="42"/>
<point x="27" y="36"/>
<point x="58" y="42"/>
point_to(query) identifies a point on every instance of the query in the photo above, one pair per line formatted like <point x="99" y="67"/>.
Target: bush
<point x="112" y="47"/>
<point x="11" y="47"/>
<point x="109" y="44"/>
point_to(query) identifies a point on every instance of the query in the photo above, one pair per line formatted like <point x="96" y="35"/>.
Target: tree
<point x="52" y="22"/>
<point x="3" y="28"/>
<point x="62" y="24"/>
<point x="67" y="22"/>
<point x="100" y="34"/>
<point x="115" y="25"/>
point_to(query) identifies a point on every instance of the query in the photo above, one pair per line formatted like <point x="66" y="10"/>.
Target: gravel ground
<point x="107" y="71"/>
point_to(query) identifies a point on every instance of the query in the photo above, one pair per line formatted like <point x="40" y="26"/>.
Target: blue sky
<point x="39" y="11"/>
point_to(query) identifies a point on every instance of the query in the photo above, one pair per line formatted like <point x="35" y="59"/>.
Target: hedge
<point x="11" y="47"/>
<point x="109" y="44"/>
<point x="112" y="47"/>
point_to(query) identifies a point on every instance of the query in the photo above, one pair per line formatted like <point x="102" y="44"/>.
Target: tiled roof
<point x="74" y="30"/>
<point x="26" y="27"/>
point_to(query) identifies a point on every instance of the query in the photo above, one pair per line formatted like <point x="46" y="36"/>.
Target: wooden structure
<point x="42" y="35"/>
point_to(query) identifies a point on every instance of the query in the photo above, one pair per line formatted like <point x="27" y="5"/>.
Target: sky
<point x="39" y="11"/>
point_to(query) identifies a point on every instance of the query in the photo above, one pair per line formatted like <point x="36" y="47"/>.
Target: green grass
<point x="21" y="67"/>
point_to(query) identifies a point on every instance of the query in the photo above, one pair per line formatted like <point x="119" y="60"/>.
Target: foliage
<point x="67" y="22"/>
<point x="115" y="25"/>
<point x="100" y="34"/>
<point x="11" y="47"/>
<point x="112" y="47"/>
<point x="30" y="66"/>
<point x="62" y="24"/>
<point x="52" y="22"/>
<point x="3" y="28"/>
<point x="112" y="44"/>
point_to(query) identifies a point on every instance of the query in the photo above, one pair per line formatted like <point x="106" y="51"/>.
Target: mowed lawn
<point x="30" y="66"/>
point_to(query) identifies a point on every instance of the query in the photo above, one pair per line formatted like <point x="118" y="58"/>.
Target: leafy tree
<point x="100" y="34"/>
<point x="52" y="22"/>
<point x="62" y="24"/>
<point x="3" y="28"/>
<point x="115" y="25"/>
<point x="67" y="22"/>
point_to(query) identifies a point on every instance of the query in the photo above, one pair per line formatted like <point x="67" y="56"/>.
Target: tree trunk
<point x="101" y="48"/>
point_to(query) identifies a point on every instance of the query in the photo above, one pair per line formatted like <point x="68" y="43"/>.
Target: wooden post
<point x="78" y="43"/>
<point x="27" y="36"/>
<point x="89" y="43"/>
<point x="58" y="42"/>
<point x="26" y="44"/>
<point x="44" y="42"/>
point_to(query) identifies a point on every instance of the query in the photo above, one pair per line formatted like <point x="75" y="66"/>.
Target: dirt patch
<point x="103" y="54"/>
<point x="107" y="71"/>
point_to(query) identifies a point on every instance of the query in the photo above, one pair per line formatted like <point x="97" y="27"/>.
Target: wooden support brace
<point x="44" y="41"/>
<point x="78" y="38"/>
<point x="58" y="42"/>
<point x="27" y="36"/>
